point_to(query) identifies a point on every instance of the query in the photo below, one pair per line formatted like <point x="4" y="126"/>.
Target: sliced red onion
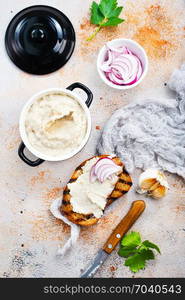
<point x="116" y="73"/>
<point x="140" y="70"/>
<point x="128" y="51"/>
<point x="103" y="169"/>
<point x="116" y="79"/>
<point x="106" y="65"/>
<point x="122" y="66"/>
<point x="102" y="162"/>
<point x="131" y="80"/>
<point x="121" y="73"/>
<point x="106" y="68"/>
<point x="107" y="172"/>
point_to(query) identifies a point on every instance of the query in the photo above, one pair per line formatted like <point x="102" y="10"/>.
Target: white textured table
<point x="29" y="235"/>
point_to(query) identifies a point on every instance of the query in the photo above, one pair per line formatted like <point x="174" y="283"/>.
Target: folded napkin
<point x="151" y="132"/>
<point x="75" y="229"/>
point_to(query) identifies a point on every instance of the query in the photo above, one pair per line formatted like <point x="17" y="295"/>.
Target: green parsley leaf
<point x="137" y="261"/>
<point x="113" y="21"/>
<point x="107" y="6"/>
<point x="105" y="14"/>
<point x="125" y="252"/>
<point x="151" y="245"/>
<point x="131" y="240"/>
<point x="116" y="12"/>
<point x="147" y="254"/>
<point x="142" y="247"/>
<point x="96" y="15"/>
<point x="135" y="251"/>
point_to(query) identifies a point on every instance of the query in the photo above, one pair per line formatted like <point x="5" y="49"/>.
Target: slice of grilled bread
<point x="122" y="186"/>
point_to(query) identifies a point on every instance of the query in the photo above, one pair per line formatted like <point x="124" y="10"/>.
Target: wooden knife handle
<point x="133" y="214"/>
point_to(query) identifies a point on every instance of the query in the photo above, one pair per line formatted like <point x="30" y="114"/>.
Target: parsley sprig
<point x="106" y="13"/>
<point x="136" y="252"/>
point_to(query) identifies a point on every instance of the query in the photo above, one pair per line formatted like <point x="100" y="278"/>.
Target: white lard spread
<point x="90" y="197"/>
<point x="56" y="124"/>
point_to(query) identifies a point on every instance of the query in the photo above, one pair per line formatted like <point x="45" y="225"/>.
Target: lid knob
<point x="38" y="35"/>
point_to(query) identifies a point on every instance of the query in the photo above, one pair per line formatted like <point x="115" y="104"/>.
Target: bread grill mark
<point x="66" y="191"/>
<point x="122" y="186"/>
<point x="72" y="180"/>
<point x="125" y="182"/>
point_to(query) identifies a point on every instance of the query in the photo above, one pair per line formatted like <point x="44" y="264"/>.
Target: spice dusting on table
<point x="153" y="26"/>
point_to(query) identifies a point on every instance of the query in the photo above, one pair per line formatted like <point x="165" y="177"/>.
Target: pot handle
<point x="27" y="160"/>
<point x="85" y="89"/>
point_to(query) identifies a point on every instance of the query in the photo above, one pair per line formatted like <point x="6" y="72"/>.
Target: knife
<point x="133" y="214"/>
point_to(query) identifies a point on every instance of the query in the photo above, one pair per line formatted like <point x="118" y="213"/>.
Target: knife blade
<point x="121" y="229"/>
<point x="99" y="259"/>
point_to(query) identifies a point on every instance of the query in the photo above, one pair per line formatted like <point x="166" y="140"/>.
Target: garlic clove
<point x="154" y="186"/>
<point x="154" y="183"/>
<point x="159" y="192"/>
<point x="147" y="183"/>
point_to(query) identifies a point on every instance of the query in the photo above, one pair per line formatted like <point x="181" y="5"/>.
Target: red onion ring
<point x="103" y="169"/>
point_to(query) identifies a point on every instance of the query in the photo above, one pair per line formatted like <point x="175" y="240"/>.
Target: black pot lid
<point x="40" y="39"/>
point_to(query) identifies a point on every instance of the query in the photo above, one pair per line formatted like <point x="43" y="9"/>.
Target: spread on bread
<point x="85" y="199"/>
<point x="87" y="196"/>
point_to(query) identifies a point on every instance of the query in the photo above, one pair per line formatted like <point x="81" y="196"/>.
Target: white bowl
<point x="42" y="157"/>
<point x="136" y="49"/>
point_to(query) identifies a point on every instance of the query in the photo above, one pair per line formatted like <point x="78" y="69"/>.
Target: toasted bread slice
<point x="122" y="186"/>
